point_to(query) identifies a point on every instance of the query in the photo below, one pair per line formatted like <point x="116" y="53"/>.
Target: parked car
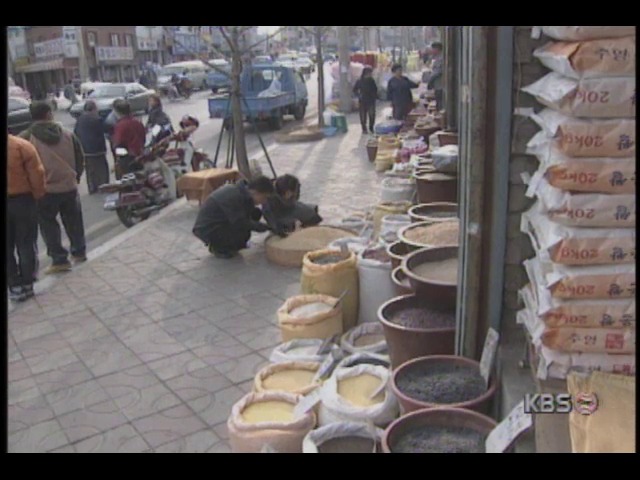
<point x="330" y="57"/>
<point x="263" y="60"/>
<point x="288" y="60"/>
<point x="216" y="80"/>
<point x="305" y="65"/>
<point x="105" y="95"/>
<point x="19" y="116"/>
<point x="18" y="92"/>
<point x="196" y="73"/>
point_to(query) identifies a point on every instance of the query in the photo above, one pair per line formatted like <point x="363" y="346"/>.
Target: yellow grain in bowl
<point x="270" y="411"/>
<point x="358" y="389"/>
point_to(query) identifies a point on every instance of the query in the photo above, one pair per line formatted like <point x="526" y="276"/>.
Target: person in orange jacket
<point x="25" y="185"/>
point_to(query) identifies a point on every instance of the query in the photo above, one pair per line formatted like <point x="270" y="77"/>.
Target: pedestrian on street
<point x="128" y="133"/>
<point x="25" y="185"/>
<point x="70" y="93"/>
<point x="63" y="159"/>
<point x="229" y="215"/>
<point x="90" y="131"/>
<point x="437" y="72"/>
<point x="399" y="93"/>
<point x="158" y="117"/>
<point x="109" y="125"/>
<point x="367" y="92"/>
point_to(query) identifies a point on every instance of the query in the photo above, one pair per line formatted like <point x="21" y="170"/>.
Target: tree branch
<point x="192" y="52"/>
<point x="232" y="46"/>
<point x="266" y="39"/>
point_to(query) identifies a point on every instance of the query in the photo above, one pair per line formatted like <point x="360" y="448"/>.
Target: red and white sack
<point x="549" y="312"/>
<point x="558" y="243"/>
<point x="611" y="97"/>
<point x="588" y="138"/>
<point x="283" y="437"/>
<point x="584" y="282"/>
<point x="583" y="209"/>
<point x="607" y="57"/>
<point x="583" y="33"/>
<point x="590" y="340"/>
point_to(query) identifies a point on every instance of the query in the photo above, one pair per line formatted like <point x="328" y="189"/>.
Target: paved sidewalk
<point x="145" y="348"/>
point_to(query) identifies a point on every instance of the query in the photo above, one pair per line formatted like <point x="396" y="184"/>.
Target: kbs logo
<point x="584" y="403"/>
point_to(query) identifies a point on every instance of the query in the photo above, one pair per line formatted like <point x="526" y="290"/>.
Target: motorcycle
<point x="174" y="91"/>
<point x="151" y="183"/>
<point x="183" y="153"/>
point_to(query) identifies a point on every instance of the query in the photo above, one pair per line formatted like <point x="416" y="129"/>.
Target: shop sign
<point x="70" y="37"/>
<point x="111" y="54"/>
<point x="50" y="48"/>
<point x="146" y="44"/>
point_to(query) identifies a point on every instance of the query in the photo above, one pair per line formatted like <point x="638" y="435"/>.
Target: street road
<point x="101" y="225"/>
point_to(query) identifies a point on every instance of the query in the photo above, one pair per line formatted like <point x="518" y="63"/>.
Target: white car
<point x="305" y="65"/>
<point x="288" y="60"/>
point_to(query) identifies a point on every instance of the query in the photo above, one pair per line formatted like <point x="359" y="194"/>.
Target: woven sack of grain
<point x="274" y="425"/>
<point x="310" y="316"/>
<point x="585" y="33"/>
<point x="333" y="279"/>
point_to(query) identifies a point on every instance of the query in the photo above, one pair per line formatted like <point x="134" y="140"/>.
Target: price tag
<point x="508" y="430"/>
<point x="307" y="403"/>
<point x="489" y="354"/>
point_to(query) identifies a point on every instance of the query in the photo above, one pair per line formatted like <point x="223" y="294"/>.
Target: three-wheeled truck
<point x="269" y="92"/>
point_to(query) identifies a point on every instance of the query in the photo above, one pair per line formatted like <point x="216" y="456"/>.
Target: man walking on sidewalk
<point x="63" y="160"/>
<point x="399" y="93"/>
<point x="90" y="131"/>
<point x="25" y="185"/>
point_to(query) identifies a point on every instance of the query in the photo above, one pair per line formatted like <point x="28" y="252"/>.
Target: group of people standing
<point x="45" y="164"/>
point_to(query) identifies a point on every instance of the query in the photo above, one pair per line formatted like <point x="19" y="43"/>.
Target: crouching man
<point x="284" y="210"/>
<point x="229" y="215"/>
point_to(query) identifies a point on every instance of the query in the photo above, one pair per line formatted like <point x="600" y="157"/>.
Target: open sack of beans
<point x="586" y="137"/>
<point x="267" y="419"/>
<point x="343" y="437"/>
<point x="575" y="245"/>
<point x="292" y="377"/>
<point x="301" y="350"/>
<point x="358" y="394"/>
<point x="310" y="316"/>
<point x="332" y="272"/>
<point x="584" y="33"/>
<point x="583" y="209"/>
<point x="365" y="338"/>
<point x="610" y="429"/>
<point x="595" y="282"/>
<point x="609" y="97"/>
<point x="607" y="57"/>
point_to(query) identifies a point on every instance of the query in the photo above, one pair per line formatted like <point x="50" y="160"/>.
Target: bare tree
<point x="233" y="37"/>
<point x="318" y="33"/>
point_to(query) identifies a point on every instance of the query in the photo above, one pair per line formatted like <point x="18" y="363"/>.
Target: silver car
<point x="105" y="95"/>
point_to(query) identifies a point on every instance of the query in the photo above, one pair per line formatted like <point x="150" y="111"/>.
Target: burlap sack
<point x="611" y="428"/>
<point x="283" y="437"/>
<point x="322" y="326"/>
<point x="334" y="279"/>
<point x="590" y="340"/>
<point x="578" y="246"/>
<point x="266" y="372"/>
<point x="587" y="33"/>
<point x="590" y="97"/>
<point x="608" y="57"/>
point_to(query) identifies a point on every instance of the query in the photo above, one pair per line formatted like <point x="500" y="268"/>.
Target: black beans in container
<point x="442" y="384"/>
<point x="378" y="254"/>
<point x="422" y="317"/>
<point x="441" y="214"/>
<point x="329" y="259"/>
<point x="437" y="439"/>
<point x="351" y="444"/>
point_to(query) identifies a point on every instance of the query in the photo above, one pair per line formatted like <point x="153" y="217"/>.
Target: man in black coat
<point x="399" y="93"/>
<point x="90" y="131"/>
<point x="229" y="215"/>
<point x="367" y="93"/>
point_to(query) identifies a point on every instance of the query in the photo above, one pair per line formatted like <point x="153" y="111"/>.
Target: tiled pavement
<point x="145" y="348"/>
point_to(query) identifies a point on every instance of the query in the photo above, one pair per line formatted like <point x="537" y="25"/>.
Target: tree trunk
<point x="320" y="62"/>
<point x="242" y="157"/>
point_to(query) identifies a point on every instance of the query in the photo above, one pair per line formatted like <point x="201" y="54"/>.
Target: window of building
<point x="128" y="40"/>
<point x="91" y="38"/>
<point x="115" y="40"/>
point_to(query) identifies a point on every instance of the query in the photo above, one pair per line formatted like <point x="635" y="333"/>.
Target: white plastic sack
<point x="557" y="243"/>
<point x="608" y="57"/>
<point x="391" y="225"/>
<point x="334" y="408"/>
<point x="588" y="138"/>
<point x="583" y="209"/>
<point x="301" y="350"/>
<point x="584" y="282"/>
<point x="585" y="33"/>
<point x="349" y="339"/>
<point x="396" y="189"/>
<point x="376" y="286"/>
<point x="316" y="438"/>
<point x="612" y="97"/>
<point x="445" y="159"/>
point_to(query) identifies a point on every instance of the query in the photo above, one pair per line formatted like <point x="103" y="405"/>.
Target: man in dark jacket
<point x="399" y="93"/>
<point x="367" y="93"/>
<point x="128" y="133"/>
<point x="63" y="160"/>
<point x="284" y="210"/>
<point x="89" y="129"/>
<point x="229" y="215"/>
